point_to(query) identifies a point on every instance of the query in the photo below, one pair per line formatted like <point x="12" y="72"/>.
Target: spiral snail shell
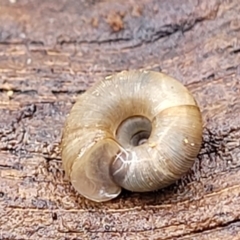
<point x="138" y="130"/>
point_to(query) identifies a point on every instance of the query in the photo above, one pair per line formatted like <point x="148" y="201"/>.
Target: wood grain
<point x="52" y="51"/>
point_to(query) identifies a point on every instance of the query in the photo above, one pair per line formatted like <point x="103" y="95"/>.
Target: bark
<point x="52" y="51"/>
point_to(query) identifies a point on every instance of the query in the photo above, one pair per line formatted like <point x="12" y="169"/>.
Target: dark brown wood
<point x="51" y="51"/>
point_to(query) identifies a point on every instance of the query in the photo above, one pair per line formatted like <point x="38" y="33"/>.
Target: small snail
<point x="138" y="130"/>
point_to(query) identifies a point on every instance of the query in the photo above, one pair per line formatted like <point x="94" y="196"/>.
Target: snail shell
<point x="138" y="130"/>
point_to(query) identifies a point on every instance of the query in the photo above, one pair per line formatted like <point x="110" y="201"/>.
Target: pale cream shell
<point x="99" y="165"/>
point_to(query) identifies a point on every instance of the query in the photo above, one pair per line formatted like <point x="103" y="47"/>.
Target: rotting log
<point x="52" y="51"/>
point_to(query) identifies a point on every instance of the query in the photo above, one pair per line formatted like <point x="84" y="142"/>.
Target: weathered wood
<point x="51" y="51"/>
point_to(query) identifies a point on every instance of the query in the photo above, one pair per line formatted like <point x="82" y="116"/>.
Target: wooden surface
<point x="51" y="51"/>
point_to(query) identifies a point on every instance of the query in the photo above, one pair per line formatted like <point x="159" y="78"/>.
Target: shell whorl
<point x="138" y="130"/>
